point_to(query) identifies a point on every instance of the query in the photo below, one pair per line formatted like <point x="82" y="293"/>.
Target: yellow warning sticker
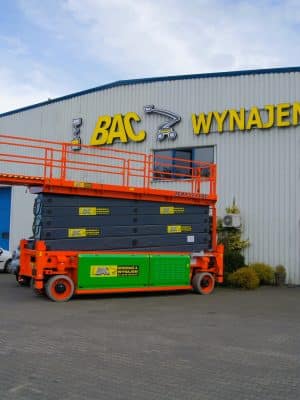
<point x="83" y="232"/>
<point x="93" y="211"/>
<point x="171" y="210"/>
<point x="179" y="228"/>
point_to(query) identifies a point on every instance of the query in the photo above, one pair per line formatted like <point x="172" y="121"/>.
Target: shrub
<point x="233" y="261"/>
<point x="280" y="269"/>
<point x="233" y="243"/>
<point x="265" y="273"/>
<point x="231" y="238"/>
<point x="280" y="275"/>
<point x="245" y="278"/>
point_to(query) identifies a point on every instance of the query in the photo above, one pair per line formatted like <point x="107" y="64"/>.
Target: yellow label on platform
<point x="103" y="271"/>
<point x="83" y="232"/>
<point x="93" y="211"/>
<point x="86" y="185"/>
<point x="179" y="228"/>
<point x="171" y="210"/>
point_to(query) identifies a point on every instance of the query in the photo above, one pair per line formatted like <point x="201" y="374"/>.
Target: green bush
<point x="280" y="275"/>
<point x="245" y="278"/>
<point x="233" y="261"/>
<point x="231" y="238"/>
<point x="233" y="243"/>
<point x="280" y="269"/>
<point x="265" y="273"/>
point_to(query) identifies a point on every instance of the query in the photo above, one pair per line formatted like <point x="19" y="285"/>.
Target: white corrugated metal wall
<point x="259" y="168"/>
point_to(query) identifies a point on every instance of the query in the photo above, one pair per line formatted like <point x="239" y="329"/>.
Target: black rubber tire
<point x="23" y="280"/>
<point x="6" y="265"/>
<point x="203" y="283"/>
<point x="52" y="290"/>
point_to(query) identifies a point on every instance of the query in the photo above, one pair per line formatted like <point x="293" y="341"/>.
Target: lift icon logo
<point x="104" y="271"/>
<point x="165" y="130"/>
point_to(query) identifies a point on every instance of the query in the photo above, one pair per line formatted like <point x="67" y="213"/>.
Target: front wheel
<point x="7" y="266"/>
<point x="59" y="288"/>
<point x="203" y="282"/>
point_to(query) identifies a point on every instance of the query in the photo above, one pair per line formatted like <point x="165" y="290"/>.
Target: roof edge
<point x="155" y="79"/>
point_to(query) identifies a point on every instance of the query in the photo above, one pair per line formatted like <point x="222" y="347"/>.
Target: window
<point x="178" y="163"/>
<point x="205" y="154"/>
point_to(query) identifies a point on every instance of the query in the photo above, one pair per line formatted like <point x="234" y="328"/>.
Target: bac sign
<point x="119" y="127"/>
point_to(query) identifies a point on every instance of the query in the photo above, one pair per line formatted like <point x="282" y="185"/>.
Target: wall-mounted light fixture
<point x="76" y="140"/>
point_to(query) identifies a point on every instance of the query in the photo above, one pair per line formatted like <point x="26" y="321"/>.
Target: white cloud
<point x="13" y="45"/>
<point x="132" y="39"/>
<point x="16" y="93"/>
<point x="174" y="37"/>
<point x="23" y="81"/>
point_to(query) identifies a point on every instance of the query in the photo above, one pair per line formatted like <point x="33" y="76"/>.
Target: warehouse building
<point x="247" y="122"/>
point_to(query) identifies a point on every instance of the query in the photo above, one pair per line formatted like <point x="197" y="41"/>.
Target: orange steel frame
<point x="55" y="161"/>
<point x="135" y="173"/>
<point x="40" y="264"/>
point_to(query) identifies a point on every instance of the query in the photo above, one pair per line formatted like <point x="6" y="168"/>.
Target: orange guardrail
<point x="55" y="167"/>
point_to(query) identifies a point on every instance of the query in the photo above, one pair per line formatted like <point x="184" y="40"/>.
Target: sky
<point x="52" y="48"/>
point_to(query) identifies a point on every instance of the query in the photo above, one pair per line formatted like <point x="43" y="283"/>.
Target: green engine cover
<point x="169" y="270"/>
<point x="113" y="271"/>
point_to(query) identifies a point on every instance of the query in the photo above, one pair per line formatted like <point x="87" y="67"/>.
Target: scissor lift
<point x="49" y="167"/>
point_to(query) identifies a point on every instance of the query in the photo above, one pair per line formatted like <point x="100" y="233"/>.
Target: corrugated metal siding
<point x="259" y="168"/>
<point x="260" y="172"/>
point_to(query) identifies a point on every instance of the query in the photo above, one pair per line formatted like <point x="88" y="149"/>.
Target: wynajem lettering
<point x="280" y="115"/>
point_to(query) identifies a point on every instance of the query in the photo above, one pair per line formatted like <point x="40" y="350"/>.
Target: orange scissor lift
<point x="50" y="167"/>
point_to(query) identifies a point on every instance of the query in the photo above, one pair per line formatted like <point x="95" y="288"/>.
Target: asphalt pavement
<point x="233" y="345"/>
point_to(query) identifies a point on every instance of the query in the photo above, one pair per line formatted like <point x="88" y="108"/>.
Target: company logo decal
<point x="119" y="127"/>
<point x="113" y="271"/>
<point x="122" y="128"/>
<point x="165" y="130"/>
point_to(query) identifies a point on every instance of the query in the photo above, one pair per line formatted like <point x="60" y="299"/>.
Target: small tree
<point x="234" y="245"/>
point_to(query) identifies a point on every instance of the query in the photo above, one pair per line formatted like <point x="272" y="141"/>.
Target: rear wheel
<point x="23" y="280"/>
<point x="59" y="288"/>
<point x="203" y="282"/>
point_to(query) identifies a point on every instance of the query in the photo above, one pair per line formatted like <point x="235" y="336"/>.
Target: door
<point x="5" y="200"/>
